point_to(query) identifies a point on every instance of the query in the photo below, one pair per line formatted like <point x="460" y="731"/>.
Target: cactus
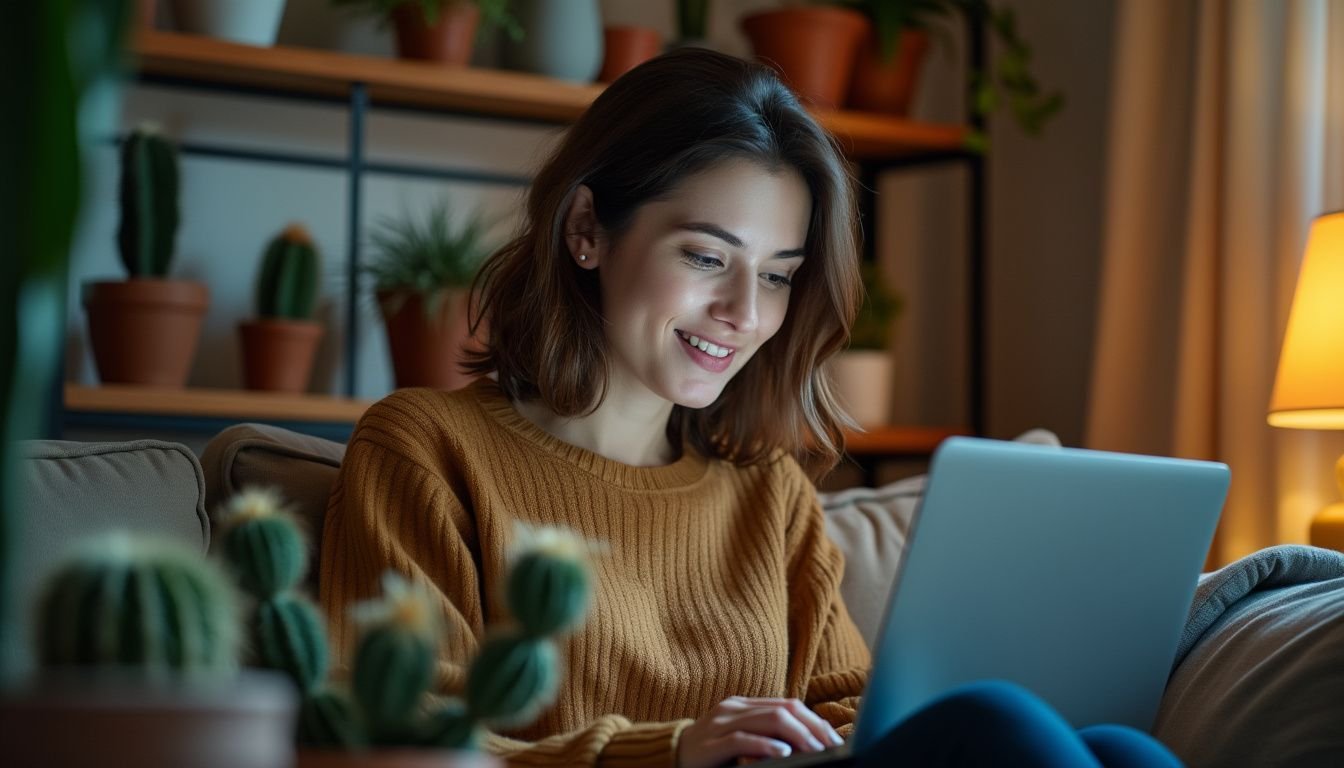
<point x="149" y="211"/>
<point x="329" y="719"/>
<point x="287" y="282"/>
<point x="394" y="663"/>
<point x="148" y="604"/>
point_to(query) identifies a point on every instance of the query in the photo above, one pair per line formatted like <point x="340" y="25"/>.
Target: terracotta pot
<point x="144" y="331"/>
<point x="426" y="350"/>
<point x="450" y="40"/>
<point x="863" y="380"/>
<point x="626" y="48"/>
<point x="888" y="86"/>
<point x="394" y="758"/>
<point x="278" y="354"/>
<point x="813" y="48"/>
<point x="76" y="720"/>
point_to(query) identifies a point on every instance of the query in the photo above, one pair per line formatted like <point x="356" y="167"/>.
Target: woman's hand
<point x="753" y="728"/>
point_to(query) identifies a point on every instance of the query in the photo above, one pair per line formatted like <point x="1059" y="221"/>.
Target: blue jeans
<point x="998" y="723"/>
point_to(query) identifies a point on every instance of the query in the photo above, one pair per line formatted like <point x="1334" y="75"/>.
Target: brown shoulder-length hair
<point x="665" y="120"/>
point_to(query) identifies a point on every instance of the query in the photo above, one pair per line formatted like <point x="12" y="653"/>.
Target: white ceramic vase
<point x="561" y="39"/>
<point x="863" y="381"/>
<point x="254" y="22"/>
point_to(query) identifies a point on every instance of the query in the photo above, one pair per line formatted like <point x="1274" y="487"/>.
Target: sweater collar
<point x="684" y="471"/>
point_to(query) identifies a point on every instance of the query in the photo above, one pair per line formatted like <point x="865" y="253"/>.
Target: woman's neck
<point x="617" y="430"/>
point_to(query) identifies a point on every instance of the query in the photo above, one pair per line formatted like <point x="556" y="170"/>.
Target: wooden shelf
<point x="899" y="440"/>
<point x="489" y="92"/>
<point x="213" y="403"/>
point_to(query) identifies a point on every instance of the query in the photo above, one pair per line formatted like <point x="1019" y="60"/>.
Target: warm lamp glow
<point x="1309" y="388"/>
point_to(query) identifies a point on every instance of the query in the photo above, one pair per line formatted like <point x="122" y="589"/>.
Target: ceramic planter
<point x="253" y="22"/>
<point x="888" y="86"/>
<point x="561" y="39"/>
<point x="426" y="349"/>
<point x="625" y="48"/>
<point x="863" y="381"/>
<point x="278" y="354"/>
<point x="812" y="47"/>
<point x="395" y="758"/>
<point x="74" y="719"/>
<point x="144" y="331"/>
<point x="450" y="40"/>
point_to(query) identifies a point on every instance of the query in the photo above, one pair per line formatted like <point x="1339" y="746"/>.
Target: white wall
<point x="1043" y="228"/>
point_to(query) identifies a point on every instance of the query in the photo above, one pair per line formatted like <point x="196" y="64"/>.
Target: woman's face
<point x="700" y="280"/>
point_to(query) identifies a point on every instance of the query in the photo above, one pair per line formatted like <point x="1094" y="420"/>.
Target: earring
<point x="583" y="257"/>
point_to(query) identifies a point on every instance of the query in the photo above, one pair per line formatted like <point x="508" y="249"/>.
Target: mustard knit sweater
<point x="716" y="581"/>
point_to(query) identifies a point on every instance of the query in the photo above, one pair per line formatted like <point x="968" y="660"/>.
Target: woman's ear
<point x="581" y="229"/>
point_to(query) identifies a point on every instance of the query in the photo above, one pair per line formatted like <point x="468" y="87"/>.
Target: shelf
<point x="244" y="405"/>
<point x="487" y="92"/>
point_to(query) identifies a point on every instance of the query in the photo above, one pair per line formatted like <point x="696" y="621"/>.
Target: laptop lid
<point x="1067" y="571"/>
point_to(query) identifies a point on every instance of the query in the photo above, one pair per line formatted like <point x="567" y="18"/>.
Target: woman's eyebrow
<point x="715" y="230"/>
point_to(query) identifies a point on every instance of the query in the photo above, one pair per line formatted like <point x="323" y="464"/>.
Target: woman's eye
<point x="778" y="281"/>
<point x="700" y="261"/>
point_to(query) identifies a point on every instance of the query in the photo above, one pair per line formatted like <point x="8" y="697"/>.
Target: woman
<point x="654" y="342"/>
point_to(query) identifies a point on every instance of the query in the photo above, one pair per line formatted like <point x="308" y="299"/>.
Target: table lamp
<point x="1309" y="387"/>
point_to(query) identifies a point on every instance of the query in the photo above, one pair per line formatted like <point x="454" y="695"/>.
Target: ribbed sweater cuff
<point x="644" y="744"/>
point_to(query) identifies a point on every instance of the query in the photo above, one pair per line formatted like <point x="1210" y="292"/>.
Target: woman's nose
<point x="736" y="303"/>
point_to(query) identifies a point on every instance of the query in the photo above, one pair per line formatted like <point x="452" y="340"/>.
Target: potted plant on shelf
<point x="381" y="719"/>
<point x="811" y="46"/>
<point x="862" y="374"/>
<point x="889" y="63"/>
<point x="421" y="272"/>
<point x="138" y="643"/>
<point x="443" y="31"/>
<point x="144" y="330"/>
<point x="252" y="22"/>
<point x="280" y="344"/>
<point x="692" y="23"/>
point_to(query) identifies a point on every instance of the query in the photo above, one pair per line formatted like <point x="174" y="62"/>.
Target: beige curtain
<point x="1226" y="139"/>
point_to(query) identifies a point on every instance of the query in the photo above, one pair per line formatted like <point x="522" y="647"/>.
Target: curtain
<point x="1226" y="139"/>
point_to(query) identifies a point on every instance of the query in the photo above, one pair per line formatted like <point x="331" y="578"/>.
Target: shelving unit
<point x="874" y="143"/>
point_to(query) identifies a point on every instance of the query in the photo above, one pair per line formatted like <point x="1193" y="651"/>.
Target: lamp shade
<point x="1309" y="387"/>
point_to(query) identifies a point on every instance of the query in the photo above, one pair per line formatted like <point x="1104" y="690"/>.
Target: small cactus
<point x="287" y="282"/>
<point x="263" y="543"/>
<point x="329" y="719"/>
<point x="394" y="662"/>
<point x="148" y="604"/>
<point x="149" y="203"/>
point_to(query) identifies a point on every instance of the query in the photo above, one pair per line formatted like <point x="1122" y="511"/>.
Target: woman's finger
<point x="774" y="721"/>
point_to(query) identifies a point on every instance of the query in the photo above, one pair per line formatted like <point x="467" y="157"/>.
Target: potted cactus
<point x="442" y="31"/>
<point x="381" y="718"/>
<point x="144" y="330"/>
<point x="280" y="344"/>
<point x="138" y="643"/>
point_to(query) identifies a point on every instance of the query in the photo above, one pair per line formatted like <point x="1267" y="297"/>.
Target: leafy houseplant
<point x="421" y="271"/>
<point x="862" y="374"/>
<point x="144" y="330"/>
<point x="438" y="30"/>
<point x="279" y="346"/>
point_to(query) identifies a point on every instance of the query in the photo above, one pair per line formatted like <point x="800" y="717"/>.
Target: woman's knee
<point x="1118" y="746"/>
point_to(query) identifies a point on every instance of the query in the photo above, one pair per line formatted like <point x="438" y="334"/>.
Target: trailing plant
<point x="138" y="603"/>
<point x="426" y="258"/>
<point x="1008" y="81"/>
<point x="495" y="13"/>
<point x="149" y="205"/>
<point x="880" y="307"/>
<point x="287" y="282"/>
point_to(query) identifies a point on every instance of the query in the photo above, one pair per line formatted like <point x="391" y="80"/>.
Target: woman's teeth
<point x="705" y="346"/>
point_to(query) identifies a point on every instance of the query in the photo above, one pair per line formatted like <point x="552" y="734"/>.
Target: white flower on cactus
<point x="252" y="503"/>
<point x="560" y="543"/>
<point x="404" y="605"/>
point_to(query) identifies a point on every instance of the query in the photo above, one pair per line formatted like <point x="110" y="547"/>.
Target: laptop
<point x="1067" y="571"/>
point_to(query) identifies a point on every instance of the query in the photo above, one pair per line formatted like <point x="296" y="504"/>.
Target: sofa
<point x="1258" y="680"/>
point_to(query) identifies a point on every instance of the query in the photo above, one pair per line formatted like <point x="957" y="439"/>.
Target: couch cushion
<point x="70" y="490"/>
<point x="301" y="467"/>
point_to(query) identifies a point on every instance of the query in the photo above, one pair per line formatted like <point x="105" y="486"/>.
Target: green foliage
<point x="427" y="258"/>
<point x="1009" y="81"/>
<point x="287" y="282"/>
<point x="146" y="604"/>
<point x="149" y="211"/>
<point x="880" y="307"/>
<point x="495" y="13"/>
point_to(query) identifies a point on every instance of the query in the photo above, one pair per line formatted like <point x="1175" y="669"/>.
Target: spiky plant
<point x="426" y="257"/>
<point x="149" y="205"/>
<point x="150" y="605"/>
<point x="287" y="281"/>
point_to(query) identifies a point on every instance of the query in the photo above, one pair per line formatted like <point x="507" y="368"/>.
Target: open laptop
<point x="1064" y="570"/>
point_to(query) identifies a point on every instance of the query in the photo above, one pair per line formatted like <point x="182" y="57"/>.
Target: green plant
<point x="426" y="258"/>
<point x="692" y="19"/>
<point x="146" y="604"/>
<point x="1008" y="80"/>
<point x="287" y="282"/>
<point x="880" y="307"/>
<point x="493" y="12"/>
<point x="149" y="212"/>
